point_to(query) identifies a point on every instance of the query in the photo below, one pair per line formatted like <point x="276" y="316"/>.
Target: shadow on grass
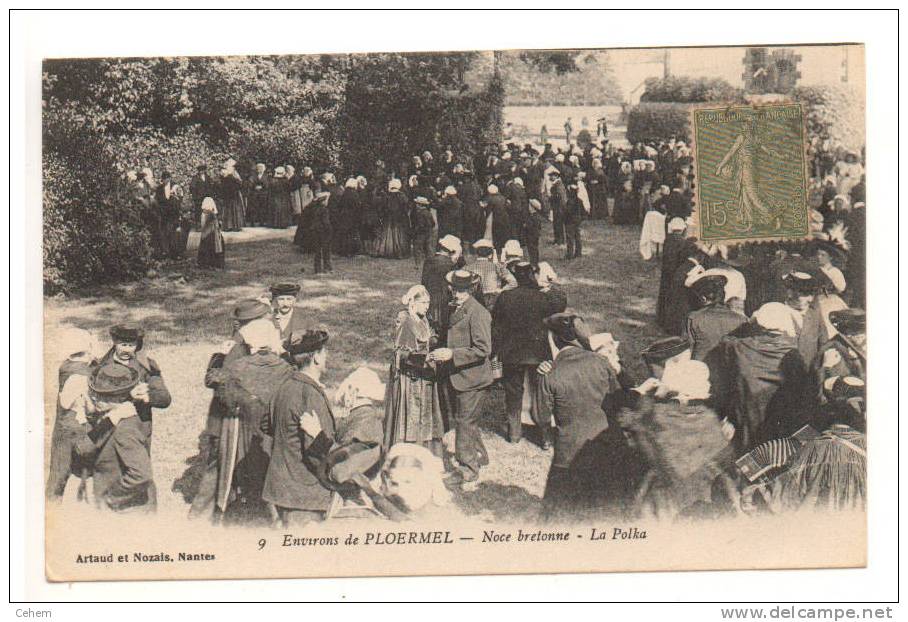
<point x="505" y="502"/>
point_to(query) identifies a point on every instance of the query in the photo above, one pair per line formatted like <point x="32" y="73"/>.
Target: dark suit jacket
<point x="518" y="334"/>
<point x="470" y="340"/>
<point x="575" y="391"/>
<point x="296" y="475"/>
<point x="434" y="270"/>
<point x="298" y="322"/>
<point x="707" y="326"/>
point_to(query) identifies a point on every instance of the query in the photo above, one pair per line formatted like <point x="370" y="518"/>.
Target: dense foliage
<point x="833" y="113"/>
<point x="103" y="117"/>
<point x="559" y="78"/>
<point x="658" y="121"/>
<point x="683" y="89"/>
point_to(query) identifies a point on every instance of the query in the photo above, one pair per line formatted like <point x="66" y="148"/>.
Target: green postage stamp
<point x="751" y="171"/>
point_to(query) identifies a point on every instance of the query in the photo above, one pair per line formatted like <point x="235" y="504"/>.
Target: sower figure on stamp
<point x="296" y="481"/>
<point x="123" y="474"/>
<point x="466" y="358"/>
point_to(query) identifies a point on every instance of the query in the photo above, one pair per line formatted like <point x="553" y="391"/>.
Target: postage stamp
<point x="751" y="168"/>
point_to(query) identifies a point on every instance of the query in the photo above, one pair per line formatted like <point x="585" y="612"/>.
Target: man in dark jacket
<point x="557" y="203"/>
<point x="450" y="214"/>
<point x="588" y="473"/>
<point x="423" y="225"/>
<point x="466" y="360"/>
<point x="501" y="220"/>
<point x="517" y="208"/>
<point x="246" y="311"/>
<point x="123" y="475"/>
<point x="713" y="320"/>
<point x="520" y="343"/>
<point x="573" y="219"/>
<point x="296" y="482"/>
<point x="321" y="231"/>
<point x="434" y="271"/>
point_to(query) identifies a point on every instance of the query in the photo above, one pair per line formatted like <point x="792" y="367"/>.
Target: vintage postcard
<point x="511" y="311"/>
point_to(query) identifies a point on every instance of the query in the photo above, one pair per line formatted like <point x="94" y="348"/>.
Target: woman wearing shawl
<point x="247" y="385"/>
<point x="233" y="209"/>
<point x="279" y="199"/>
<point x="345" y="218"/>
<point x="759" y="374"/>
<point x="679" y="436"/>
<point x="394" y="242"/>
<point x="412" y="408"/>
<point x="211" y="244"/>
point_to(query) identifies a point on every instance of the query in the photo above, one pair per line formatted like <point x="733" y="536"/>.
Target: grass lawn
<point x="185" y="312"/>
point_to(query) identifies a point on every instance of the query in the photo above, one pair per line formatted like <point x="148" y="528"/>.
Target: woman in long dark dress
<point x="394" y="241"/>
<point x="230" y="198"/>
<point x="279" y="199"/>
<point x="211" y="244"/>
<point x="412" y="406"/>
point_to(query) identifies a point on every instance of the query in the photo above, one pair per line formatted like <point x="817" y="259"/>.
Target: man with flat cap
<point x="466" y="361"/>
<point x="296" y="481"/>
<point x="588" y="473"/>
<point x="123" y="475"/>
<point x="713" y="319"/>
<point x="203" y="503"/>
<point x="287" y="317"/>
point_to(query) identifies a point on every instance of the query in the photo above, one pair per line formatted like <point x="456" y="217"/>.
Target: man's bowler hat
<point x="461" y="280"/>
<point x="664" y="349"/>
<point x="113" y="380"/>
<point x="306" y="342"/>
<point x="127" y="332"/>
<point x="849" y="321"/>
<point x="285" y="289"/>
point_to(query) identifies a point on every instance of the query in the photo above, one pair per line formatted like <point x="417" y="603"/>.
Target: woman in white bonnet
<point x="359" y="417"/>
<point x="412" y="407"/>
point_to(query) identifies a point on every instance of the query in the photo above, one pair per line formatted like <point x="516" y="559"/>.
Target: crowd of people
<point x="754" y="401"/>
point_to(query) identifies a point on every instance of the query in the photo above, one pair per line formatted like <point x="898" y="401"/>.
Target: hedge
<point x="652" y="121"/>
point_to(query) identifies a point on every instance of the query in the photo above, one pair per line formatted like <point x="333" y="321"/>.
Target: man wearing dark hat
<point x="247" y="310"/>
<point x="801" y="288"/>
<point x="295" y="482"/>
<point x="586" y="474"/>
<point x="466" y="360"/>
<point x="287" y="317"/>
<point x="520" y="342"/>
<point x="123" y="474"/>
<point x="713" y="319"/>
